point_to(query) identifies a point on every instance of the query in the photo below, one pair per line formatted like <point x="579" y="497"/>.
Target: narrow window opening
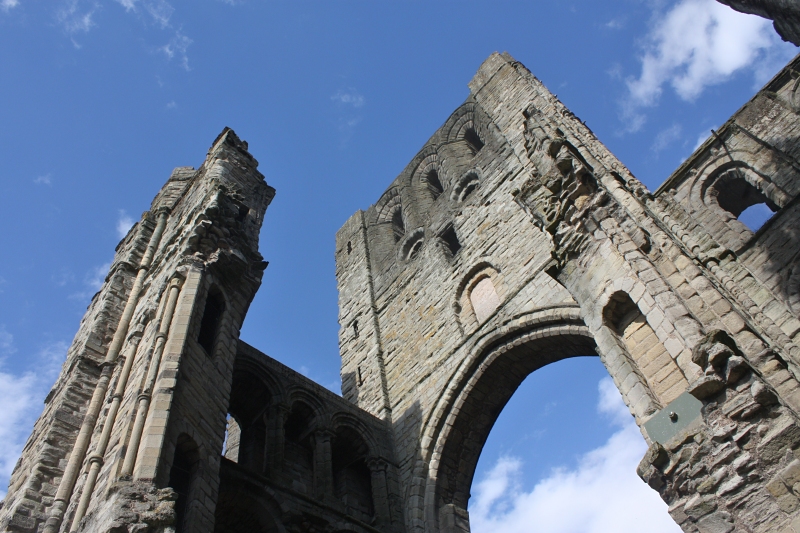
<point x="233" y="437"/>
<point x="434" y="184"/>
<point x="181" y="477"/>
<point x="212" y="315"/>
<point x="473" y="140"/>
<point x="360" y="378"/>
<point x="398" y="226"/>
<point x="349" y="247"/>
<point x="355" y="328"/>
<point x="450" y="240"/>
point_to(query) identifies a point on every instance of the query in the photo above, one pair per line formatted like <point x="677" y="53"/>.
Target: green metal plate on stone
<point x="669" y="421"/>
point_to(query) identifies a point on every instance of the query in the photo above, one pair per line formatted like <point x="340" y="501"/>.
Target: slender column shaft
<point x="152" y="373"/>
<point x="78" y="454"/>
<point x="96" y="460"/>
<point x="323" y="466"/>
<point x="380" y="491"/>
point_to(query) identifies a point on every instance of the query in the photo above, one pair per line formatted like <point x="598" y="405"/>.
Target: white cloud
<point x="177" y="47"/>
<point x="97" y="276"/>
<point x="602" y="494"/>
<point x="21" y="401"/>
<point x="8" y="5"/>
<point x="129" y="5"/>
<point x="93" y="281"/>
<point x="74" y="19"/>
<point x="43" y="180"/>
<point x="666" y="137"/>
<point x="124" y="224"/>
<point x="698" y="43"/>
<point x="702" y="137"/>
<point x="349" y="97"/>
<point x="160" y="11"/>
<point x="6" y="342"/>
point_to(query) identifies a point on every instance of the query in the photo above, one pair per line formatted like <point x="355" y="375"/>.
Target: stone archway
<point x="474" y="400"/>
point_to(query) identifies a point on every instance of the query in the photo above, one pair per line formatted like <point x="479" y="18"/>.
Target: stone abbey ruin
<point x="512" y="240"/>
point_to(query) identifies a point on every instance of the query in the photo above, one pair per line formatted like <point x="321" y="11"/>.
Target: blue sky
<point x="102" y="98"/>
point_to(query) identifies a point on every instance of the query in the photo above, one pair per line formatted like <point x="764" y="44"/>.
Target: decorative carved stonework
<point x="561" y="190"/>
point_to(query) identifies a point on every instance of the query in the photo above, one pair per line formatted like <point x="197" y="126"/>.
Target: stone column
<point x="276" y="437"/>
<point x="323" y="465"/>
<point x="380" y="490"/>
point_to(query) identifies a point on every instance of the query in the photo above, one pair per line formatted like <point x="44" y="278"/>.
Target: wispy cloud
<point x="124" y="224"/>
<point x="21" y="401"/>
<point x="129" y="5"/>
<point x="177" y="47"/>
<point x="97" y="276"/>
<point x="696" y="44"/>
<point x="702" y="137"/>
<point x="602" y="494"/>
<point x="348" y="105"/>
<point x="74" y="18"/>
<point x="43" y="180"/>
<point x="349" y="97"/>
<point x="666" y="137"/>
<point x="8" y="5"/>
<point x="93" y="282"/>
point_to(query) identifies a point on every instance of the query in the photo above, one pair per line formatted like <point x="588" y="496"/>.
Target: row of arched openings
<point x="295" y="448"/>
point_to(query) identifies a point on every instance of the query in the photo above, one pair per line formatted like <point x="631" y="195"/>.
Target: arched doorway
<point x="476" y="399"/>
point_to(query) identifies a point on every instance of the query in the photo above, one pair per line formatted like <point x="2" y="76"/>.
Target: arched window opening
<point x="182" y="476"/>
<point x="355" y="329"/>
<point x="742" y="199"/>
<point x="212" y="316"/>
<point x="413" y="245"/>
<point x="465" y="187"/>
<point x="473" y="140"/>
<point x="434" y="184"/>
<point x="655" y="362"/>
<point x="450" y="240"/>
<point x="298" y="449"/>
<point x="247" y="428"/>
<point x="398" y="225"/>
<point x="352" y="479"/>
<point x="484" y="299"/>
<point x="233" y="437"/>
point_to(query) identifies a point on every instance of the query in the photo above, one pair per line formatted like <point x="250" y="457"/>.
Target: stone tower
<point x="512" y="240"/>
<point x="133" y="432"/>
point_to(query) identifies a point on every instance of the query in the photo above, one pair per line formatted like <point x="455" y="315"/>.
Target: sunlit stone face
<point x="484" y="299"/>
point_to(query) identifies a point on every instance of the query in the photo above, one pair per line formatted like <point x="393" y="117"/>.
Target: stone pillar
<point x="380" y="490"/>
<point x="323" y="465"/>
<point x="276" y="437"/>
<point x="453" y="519"/>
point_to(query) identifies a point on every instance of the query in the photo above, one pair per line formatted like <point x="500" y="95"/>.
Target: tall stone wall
<point x="515" y="239"/>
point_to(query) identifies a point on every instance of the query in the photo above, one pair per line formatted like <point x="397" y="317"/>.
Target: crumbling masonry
<point x="512" y="240"/>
